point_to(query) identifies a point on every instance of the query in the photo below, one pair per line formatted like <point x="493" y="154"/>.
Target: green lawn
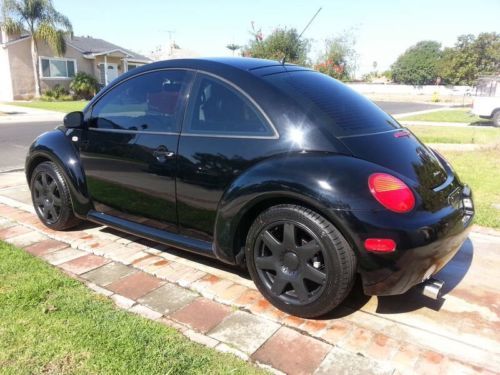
<point x="50" y="323"/>
<point x="481" y="170"/>
<point x="450" y="115"/>
<point x="68" y="106"/>
<point x="454" y="134"/>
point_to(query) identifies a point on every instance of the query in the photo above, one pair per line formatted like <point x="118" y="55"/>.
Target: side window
<point x="219" y="109"/>
<point x="150" y="102"/>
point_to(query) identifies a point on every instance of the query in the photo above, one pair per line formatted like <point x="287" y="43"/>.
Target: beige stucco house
<point x="97" y="57"/>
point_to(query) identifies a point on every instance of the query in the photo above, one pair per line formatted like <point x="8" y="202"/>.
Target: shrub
<point x="57" y="92"/>
<point x="436" y="98"/>
<point x="84" y="86"/>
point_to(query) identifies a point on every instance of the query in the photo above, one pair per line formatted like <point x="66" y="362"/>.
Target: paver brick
<point x="200" y="338"/>
<point x="291" y="352"/>
<point x="84" y="264"/>
<point x="168" y="298"/>
<point x="45" y="247"/>
<point x="135" y="285"/>
<point x="202" y="314"/>
<point x="382" y="347"/>
<point x="248" y="298"/>
<point x="244" y="331"/>
<point x="406" y="357"/>
<point x="232" y="293"/>
<point x="13" y="231"/>
<point x="122" y="301"/>
<point x="430" y="362"/>
<point x="145" y="312"/>
<point x="337" y="331"/>
<point x="61" y="256"/>
<point x="27" y="239"/>
<point x="108" y="273"/>
<point x="265" y="308"/>
<point x="293" y="321"/>
<point x="341" y="362"/>
<point x="314" y="327"/>
<point x="359" y="340"/>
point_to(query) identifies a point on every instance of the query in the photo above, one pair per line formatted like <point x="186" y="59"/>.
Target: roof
<point x="93" y="47"/>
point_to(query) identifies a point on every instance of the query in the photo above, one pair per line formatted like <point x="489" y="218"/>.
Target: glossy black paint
<point x="201" y="193"/>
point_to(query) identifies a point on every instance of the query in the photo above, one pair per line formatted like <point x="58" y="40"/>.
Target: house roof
<point x="95" y="47"/>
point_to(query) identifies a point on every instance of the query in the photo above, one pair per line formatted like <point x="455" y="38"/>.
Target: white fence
<point x="375" y="88"/>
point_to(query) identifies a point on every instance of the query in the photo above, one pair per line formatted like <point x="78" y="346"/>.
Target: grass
<point x="481" y="170"/>
<point x="67" y="106"/>
<point x="50" y="323"/>
<point x="454" y="134"/>
<point x="450" y="115"/>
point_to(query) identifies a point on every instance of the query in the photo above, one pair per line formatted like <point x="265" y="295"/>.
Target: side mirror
<point x="73" y="120"/>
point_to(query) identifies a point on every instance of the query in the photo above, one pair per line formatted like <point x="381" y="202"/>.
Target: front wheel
<point x="51" y="197"/>
<point x="299" y="261"/>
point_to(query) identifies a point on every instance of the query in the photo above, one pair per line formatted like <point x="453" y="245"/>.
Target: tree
<point x="339" y="57"/>
<point x="43" y="22"/>
<point x="233" y="47"/>
<point x="418" y="65"/>
<point x="282" y="43"/>
<point x="471" y="57"/>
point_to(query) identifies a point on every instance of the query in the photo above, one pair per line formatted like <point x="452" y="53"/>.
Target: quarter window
<point x="150" y="102"/>
<point x="218" y="109"/>
<point x="57" y="68"/>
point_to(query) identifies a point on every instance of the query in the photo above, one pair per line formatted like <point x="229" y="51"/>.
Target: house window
<point x="58" y="68"/>
<point x="132" y="66"/>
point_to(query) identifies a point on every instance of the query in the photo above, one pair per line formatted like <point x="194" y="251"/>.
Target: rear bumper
<point x="425" y="244"/>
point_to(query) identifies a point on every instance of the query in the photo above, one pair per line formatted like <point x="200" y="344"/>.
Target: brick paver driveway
<point x="219" y="306"/>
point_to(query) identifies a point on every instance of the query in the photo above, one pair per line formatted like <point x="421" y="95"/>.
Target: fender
<point x="56" y="146"/>
<point x="332" y="184"/>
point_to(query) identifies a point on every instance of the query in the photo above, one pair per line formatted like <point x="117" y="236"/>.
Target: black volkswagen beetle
<point x="257" y="163"/>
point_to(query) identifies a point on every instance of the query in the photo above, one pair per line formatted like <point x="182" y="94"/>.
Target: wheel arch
<point x="55" y="147"/>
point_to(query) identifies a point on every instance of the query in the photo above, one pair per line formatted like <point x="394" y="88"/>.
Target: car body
<point x="486" y="102"/>
<point x="198" y="153"/>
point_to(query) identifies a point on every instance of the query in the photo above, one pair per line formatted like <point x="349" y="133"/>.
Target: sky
<point x="384" y="29"/>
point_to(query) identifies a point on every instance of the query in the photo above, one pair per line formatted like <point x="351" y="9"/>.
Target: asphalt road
<point x="15" y="138"/>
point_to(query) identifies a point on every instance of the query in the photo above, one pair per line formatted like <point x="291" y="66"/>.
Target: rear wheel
<point x="299" y="261"/>
<point x="51" y="197"/>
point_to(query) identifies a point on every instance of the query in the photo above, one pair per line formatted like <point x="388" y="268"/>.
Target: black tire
<point x="313" y="255"/>
<point x="496" y="118"/>
<point x="51" y="197"/>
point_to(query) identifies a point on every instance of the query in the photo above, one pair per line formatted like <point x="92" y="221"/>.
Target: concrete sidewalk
<point x="14" y="113"/>
<point x="220" y="307"/>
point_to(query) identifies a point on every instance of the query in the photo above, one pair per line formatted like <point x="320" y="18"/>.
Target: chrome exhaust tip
<point x="432" y="288"/>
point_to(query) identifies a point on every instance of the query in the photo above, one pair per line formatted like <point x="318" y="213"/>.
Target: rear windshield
<point x="348" y="112"/>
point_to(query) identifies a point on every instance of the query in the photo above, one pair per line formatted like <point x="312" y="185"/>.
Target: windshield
<point x="349" y="113"/>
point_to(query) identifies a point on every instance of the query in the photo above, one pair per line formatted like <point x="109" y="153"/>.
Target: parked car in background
<point x="257" y="163"/>
<point x="486" y="102"/>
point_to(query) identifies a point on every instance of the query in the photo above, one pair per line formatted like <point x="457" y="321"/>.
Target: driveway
<point x="398" y="108"/>
<point x="457" y="334"/>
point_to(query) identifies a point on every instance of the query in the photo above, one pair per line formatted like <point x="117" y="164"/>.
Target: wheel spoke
<point x="45" y="183"/>
<point x="272" y="243"/>
<point x="57" y="201"/>
<point x="289" y="236"/>
<point x="308" y="250"/>
<point x="45" y="211"/>
<point x="52" y="187"/>
<point x="266" y="263"/>
<point x="313" y="274"/>
<point x="38" y="187"/>
<point x="53" y="213"/>
<point x="279" y="285"/>
<point x="300" y="290"/>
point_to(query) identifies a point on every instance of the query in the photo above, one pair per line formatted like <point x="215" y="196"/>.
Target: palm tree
<point x="42" y="21"/>
<point x="233" y="47"/>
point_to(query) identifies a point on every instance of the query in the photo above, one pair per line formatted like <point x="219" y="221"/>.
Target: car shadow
<point x="410" y="301"/>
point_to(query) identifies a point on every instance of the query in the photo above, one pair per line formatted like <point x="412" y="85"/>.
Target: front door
<point x="129" y="151"/>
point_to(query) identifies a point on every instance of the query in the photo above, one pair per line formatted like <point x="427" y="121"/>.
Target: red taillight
<point x="380" y="245"/>
<point x="391" y="192"/>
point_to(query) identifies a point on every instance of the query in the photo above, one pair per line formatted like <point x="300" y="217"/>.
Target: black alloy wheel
<point x="299" y="261"/>
<point x="290" y="261"/>
<point x="51" y="197"/>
